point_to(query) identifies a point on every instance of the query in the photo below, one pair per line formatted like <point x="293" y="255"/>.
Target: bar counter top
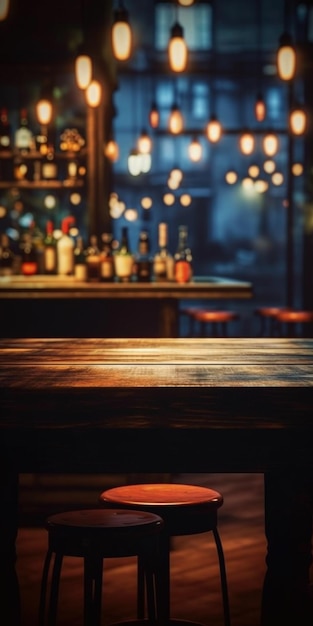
<point x="42" y="286"/>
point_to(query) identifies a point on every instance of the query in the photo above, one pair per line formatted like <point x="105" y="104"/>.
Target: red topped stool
<point x="268" y="318"/>
<point x="94" y="535"/>
<point x="218" y="320"/>
<point x="292" y="321"/>
<point x="185" y="510"/>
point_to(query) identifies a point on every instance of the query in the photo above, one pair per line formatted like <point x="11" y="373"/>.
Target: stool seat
<point x="215" y="316"/>
<point x="293" y="316"/>
<point x="185" y="510"/>
<point x="96" y="534"/>
<point x="292" y="321"/>
<point x="268" y="316"/>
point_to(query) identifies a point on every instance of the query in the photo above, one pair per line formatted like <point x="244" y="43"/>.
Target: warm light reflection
<point x="247" y="183"/>
<point x="253" y="171"/>
<point x="269" y="166"/>
<point x="75" y="198"/>
<point x="277" y="179"/>
<point x="134" y="163"/>
<point x="154" y="116"/>
<point x="146" y="202"/>
<point x="111" y="150"/>
<point x="261" y="185"/>
<point x="231" y="177"/>
<point x="131" y="215"/>
<point x="185" y="199"/>
<point x="168" y="199"/>
<point x="44" y="111"/>
<point x="260" y="109"/>
<point x="50" y="201"/>
<point x="297" y="169"/>
<point x="144" y="143"/>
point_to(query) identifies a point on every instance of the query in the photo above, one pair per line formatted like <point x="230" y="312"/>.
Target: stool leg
<point x="163" y="580"/>
<point x="223" y="577"/>
<point x="140" y="588"/>
<point x="54" y="591"/>
<point x="43" y="589"/>
<point x="93" y="574"/>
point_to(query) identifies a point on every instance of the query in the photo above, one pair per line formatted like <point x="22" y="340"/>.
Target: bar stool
<point x="186" y="510"/>
<point x="268" y="318"/>
<point x="219" y="321"/>
<point x="95" y="534"/>
<point x="292" y="320"/>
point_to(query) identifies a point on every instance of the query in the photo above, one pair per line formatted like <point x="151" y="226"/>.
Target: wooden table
<point x="154" y="405"/>
<point x="85" y="309"/>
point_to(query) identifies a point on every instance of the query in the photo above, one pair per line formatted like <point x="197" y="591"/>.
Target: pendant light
<point x="214" y="129"/>
<point x="111" y="151"/>
<point x="83" y="70"/>
<point x="270" y="144"/>
<point x="94" y="94"/>
<point x="176" y="120"/>
<point x="144" y="143"/>
<point x="246" y="142"/>
<point x="259" y="108"/>
<point x="286" y="58"/>
<point x="44" y="112"/>
<point x="297" y="121"/>
<point x="121" y="34"/>
<point x="177" y="49"/>
<point x="134" y="162"/>
<point x="4" y="9"/>
<point x="195" y="150"/>
<point x="154" y="116"/>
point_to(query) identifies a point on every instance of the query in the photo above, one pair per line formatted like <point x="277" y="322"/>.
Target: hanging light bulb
<point x="246" y="142"/>
<point x="93" y="94"/>
<point x="177" y="49"/>
<point x="195" y="150"/>
<point x="259" y="108"/>
<point x="154" y="116"/>
<point x="286" y="58"/>
<point x="144" y="143"/>
<point x="44" y="111"/>
<point x="214" y="129"/>
<point x="121" y="34"/>
<point x="134" y="162"/>
<point x="297" y="121"/>
<point x="270" y="144"/>
<point x="111" y="150"/>
<point x="83" y="70"/>
<point x="176" y="121"/>
<point x="4" y="9"/>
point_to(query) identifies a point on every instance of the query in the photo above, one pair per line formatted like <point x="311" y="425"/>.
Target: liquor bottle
<point x="65" y="249"/>
<point x="142" y="260"/>
<point x="123" y="259"/>
<point x="50" y="251"/>
<point x="6" y="256"/>
<point x="93" y="260"/>
<point x="80" y="267"/>
<point x="38" y="242"/>
<point x="106" y="258"/>
<point x="163" y="262"/>
<point x="49" y="169"/>
<point x="24" y="139"/>
<point x="5" y="130"/>
<point x="183" y="257"/>
<point x="29" y="262"/>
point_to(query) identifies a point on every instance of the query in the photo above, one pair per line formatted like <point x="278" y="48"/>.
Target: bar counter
<point x="165" y="405"/>
<point x="95" y="309"/>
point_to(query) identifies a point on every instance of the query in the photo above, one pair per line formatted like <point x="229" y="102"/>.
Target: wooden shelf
<point x="42" y="184"/>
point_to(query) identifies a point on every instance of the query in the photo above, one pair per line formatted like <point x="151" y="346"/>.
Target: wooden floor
<point x="195" y="586"/>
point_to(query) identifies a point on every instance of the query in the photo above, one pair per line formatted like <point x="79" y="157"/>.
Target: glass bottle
<point x="123" y="259"/>
<point x="80" y="267"/>
<point x="106" y="258"/>
<point x="93" y="260"/>
<point x="5" y="130"/>
<point x="49" y="169"/>
<point x="163" y="262"/>
<point x="50" y="250"/>
<point x="6" y="256"/>
<point x="65" y="249"/>
<point x="183" y="257"/>
<point x="143" y="261"/>
<point x="23" y="135"/>
<point x="29" y="263"/>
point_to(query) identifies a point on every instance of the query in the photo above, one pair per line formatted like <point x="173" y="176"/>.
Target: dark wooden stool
<point x="269" y="325"/>
<point x="94" y="535"/>
<point x="186" y="510"/>
<point x="219" y="321"/>
<point x="292" y="321"/>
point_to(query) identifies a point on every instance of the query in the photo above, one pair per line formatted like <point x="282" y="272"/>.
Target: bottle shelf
<point x="35" y="154"/>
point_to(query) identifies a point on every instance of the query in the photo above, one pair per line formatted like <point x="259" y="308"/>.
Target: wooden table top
<point x="189" y="391"/>
<point x="210" y="287"/>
